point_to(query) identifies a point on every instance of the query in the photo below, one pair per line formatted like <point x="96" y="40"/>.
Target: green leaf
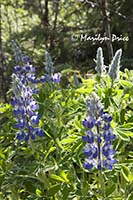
<point x="14" y="192"/>
<point x="123" y="135"/>
<point x="50" y="168"/>
<point x="77" y="123"/>
<point x="4" y="107"/>
<point x="130" y="154"/>
<point x="125" y="172"/>
<point x="110" y="189"/>
<point x="130" y="105"/>
<point x="122" y="115"/>
<point x="70" y="139"/>
<point x="87" y="87"/>
<point x="38" y="192"/>
<point x="49" y="151"/>
<point x="64" y="176"/>
<point x="53" y="190"/>
<point x="130" y="196"/>
<point x="88" y="82"/>
<point x="43" y="178"/>
<point x="125" y="83"/>
<point x="47" y="134"/>
<point x="58" y="178"/>
<point x="66" y="190"/>
<point x="59" y="144"/>
<point x="129" y="161"/>
<point x="130" y="177"/>
<point x="2" y="155"/>
<point x="126" y="127"/>
<point x="30" y="187"/>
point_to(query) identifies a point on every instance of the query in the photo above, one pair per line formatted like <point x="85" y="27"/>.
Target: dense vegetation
<point x="66" y="100"/>
<point x="44" y="159"/>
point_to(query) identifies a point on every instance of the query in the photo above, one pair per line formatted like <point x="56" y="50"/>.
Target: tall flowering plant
<point x="98" y="149"/>
<point x="50" y="76"/>
<point x="25" y="107"/>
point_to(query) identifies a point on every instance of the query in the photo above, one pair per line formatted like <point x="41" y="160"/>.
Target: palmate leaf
<point x="122" y="135"/>
<point x="127" y="126"/>
<point x="125" y="83"/>
<point x="128" y="177"/>
<point x="86" y="87"/>
<point x="125" y="131"/>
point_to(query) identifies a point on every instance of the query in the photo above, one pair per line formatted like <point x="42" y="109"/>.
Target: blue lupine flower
<point x="26" y="59"/>
<point x="98" y="150"/>
<point x="108" y="163"/>
<point x="25" y="107"/>
<point x="49" y="68"/>
<point x="90" y="150"/>
<point x="89" y="122"/>
<point x="56" y="77"/>
<point x="39" y="132"/>
<point x="88" y="164"/>
<point x="106" y="117"/>
<point x="106" y="126"/>
<point x="89" y="137"/>
<point x="45" y="78"/>
<point x="108" y="136"/>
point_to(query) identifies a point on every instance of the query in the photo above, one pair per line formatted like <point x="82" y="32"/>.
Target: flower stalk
<point x="25" y="107"/>
<point x="50" y="76"/>
<point x="98" y="149"/>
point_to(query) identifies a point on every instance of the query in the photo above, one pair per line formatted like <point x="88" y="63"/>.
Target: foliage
<point x="51" y="167"/>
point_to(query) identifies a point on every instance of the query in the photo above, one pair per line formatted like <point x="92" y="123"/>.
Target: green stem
<point x="32" y="146"/>
<point x="101" y="184"/>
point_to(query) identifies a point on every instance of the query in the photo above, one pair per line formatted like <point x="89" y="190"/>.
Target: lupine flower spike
<point x="25" y="107"/>
<point x="98" y="136"/>
<point x="18" y="54"/>
<point x="100" y="67"/>
<point x="115" y="65"/>
<point x="49" y="68"/>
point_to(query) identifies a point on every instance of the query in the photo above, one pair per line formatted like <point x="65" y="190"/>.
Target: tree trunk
<point x="107" y="27"/>
<point x="54" y="25"/>
<point x="128" y="11"/>
<point x="45" y="17"/>
<point x="2" y="76"/>
<point x="130" y="35"/>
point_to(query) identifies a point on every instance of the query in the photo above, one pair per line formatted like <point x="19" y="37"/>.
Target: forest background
<point x="62" y="27"/>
